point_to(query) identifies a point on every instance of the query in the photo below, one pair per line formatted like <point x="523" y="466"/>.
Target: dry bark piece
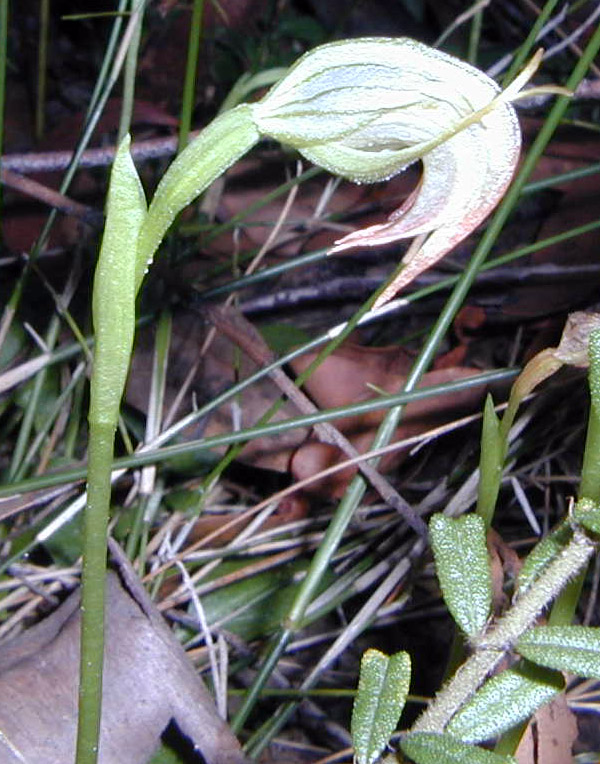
<point x="148" y="684"/>
<point x="550" y="735"/>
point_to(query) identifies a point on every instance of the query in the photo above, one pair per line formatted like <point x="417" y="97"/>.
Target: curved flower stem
<point x="132" y="234"/>
<point x="225" y="140"/>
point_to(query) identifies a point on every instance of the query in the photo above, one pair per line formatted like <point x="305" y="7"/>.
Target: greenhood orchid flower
<point x="367" y="109"/>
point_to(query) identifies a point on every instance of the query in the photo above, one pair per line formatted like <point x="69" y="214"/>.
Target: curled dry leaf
<point x="575" y="339"/>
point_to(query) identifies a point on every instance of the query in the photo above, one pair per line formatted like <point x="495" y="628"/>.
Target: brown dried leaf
<point x="148" y="682"/>
<point x="573" y="346"/>
<point x="344" y="378"/>
<point x="550" y="735"/>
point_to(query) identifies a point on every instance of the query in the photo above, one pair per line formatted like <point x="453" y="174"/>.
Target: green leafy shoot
<point x="491" y="462"/>
<point x="382" y="690"/>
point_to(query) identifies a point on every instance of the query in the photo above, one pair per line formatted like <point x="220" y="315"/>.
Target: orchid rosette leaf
<point x="366" y="109"/>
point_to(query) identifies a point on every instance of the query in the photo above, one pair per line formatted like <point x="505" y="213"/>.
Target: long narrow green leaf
<point x="575" y="649"/>
<point x="462" y="567"/>
<point x="113" y="304"/>
<point x="382" y="690"/>
<point x="491" y="461"/>
<point x="504" y="701"/>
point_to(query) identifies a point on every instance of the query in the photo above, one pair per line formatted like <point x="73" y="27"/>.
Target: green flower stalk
<point x="230" y="136"/>
<point x="113" y="309"/>
<point x="363" y="109"/>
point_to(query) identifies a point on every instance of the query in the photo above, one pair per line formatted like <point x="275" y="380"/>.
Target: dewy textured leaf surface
<point x="504" y="701"/>
<point x="462" y="566"/>
<point x="382" y="691"/>
<point x="367" y="108"/>
<point x="575" y="649"/>
<point x="433" y="748"/>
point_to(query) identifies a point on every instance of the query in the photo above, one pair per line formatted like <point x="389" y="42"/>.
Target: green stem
<point x="33" y="403"/>
<point x="474" y="37"/>
<point x="50" y="419"/>
<point x="93" y="590"/>
<point x="526" y="47"/>
<point x="590" y="472"/>
<point x="225" y="140"/>
<point x="109" y="52"/>
<point x="189" y="85"/>
<point x="137" y="15"/>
